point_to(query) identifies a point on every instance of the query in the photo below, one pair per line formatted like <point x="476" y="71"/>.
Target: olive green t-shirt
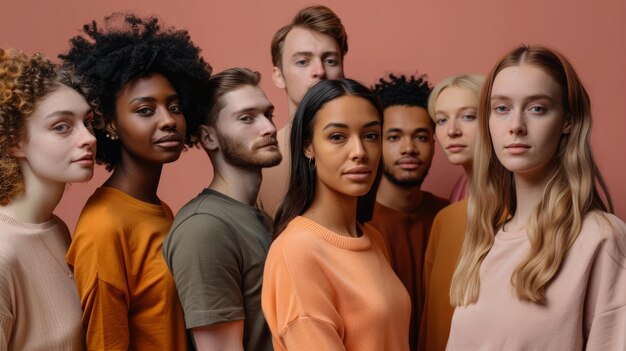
<point x="216" y="250"/>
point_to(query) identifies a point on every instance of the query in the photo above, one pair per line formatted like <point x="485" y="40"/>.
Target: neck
<point x="467" y="168"/>
<point x="37" y="202"/>
<point x="529" y="191"/>
<point x="138" y="179"/>
<point x="241" y="184"/>
<point x="334" y="211"/>
<point x="404" y="199"/>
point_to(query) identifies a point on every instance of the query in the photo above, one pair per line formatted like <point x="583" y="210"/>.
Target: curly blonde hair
<point x="24" y="80"/>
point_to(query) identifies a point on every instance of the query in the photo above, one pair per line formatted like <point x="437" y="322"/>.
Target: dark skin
<point x="151" y="128"/>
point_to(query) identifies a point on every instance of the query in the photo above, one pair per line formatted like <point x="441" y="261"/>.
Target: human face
<point x="345" y="146"/>
<point x="455" y="124"/>
<point x="408" y="145"/>
<point x="149" y="122"/>
<point x="245" y="130"/>
<point x="526" y="121"/>
<point x="59" y="145"/>
<point x="307" y="58"/>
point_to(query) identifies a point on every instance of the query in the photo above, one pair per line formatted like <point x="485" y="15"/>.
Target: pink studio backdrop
<point x="439" y="38"/>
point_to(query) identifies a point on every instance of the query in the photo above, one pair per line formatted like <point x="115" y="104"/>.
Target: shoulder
<point x="606" y="231"/>
<point x="435" y="202"/>
<point x="457" y="209"/>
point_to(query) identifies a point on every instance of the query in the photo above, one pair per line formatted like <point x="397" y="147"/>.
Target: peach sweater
<point x="585" y="302"/>
<point x="325" y="291"/>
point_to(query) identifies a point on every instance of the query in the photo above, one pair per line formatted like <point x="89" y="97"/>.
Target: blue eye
<point x="441" y="121"/>
<point x="61" y="127"/>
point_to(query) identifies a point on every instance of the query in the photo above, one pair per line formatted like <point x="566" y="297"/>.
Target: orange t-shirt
<point x="126" y="291"/>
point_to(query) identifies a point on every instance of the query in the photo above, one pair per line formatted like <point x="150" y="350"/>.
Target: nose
<point x="86" y="138"/>
<point x="318" y="69"/>
<point x="517" y="123"/>
<point x="453" y="128"/>
<point x="358" y="153"/>
<point x="408" y="146"/>
<point x="267" y="128"/>
<point x="167" y="120"/>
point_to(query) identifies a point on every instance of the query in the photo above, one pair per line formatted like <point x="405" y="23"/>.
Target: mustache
<point x="269" y="140"/>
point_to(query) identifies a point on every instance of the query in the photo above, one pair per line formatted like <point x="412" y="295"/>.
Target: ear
<point x="110" y="127"/>
<point x="208" y="138"/>
<point x="309" y="152"/>
<point x="277" y="77"/>
<point x="567" y="128"/>
<point x="17" y="151"/>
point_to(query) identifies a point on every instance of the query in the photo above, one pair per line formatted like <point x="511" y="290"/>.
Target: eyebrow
<point x="67" y="113"/>
<point x="153" y="99"/>
<point x="342" y="125"/>
<point x="310" y="53"/>
<point x="264" y="108"/>
<point x="532" y="97"/>
<point x="417" y="130"/>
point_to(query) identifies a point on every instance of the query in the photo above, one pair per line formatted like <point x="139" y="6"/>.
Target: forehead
<point x="152" y="84"/>
<point x="62" y="98"/>
<point x="455" y="97"/>
<point x="301" y="40"/>
<point x="406" y="118"/>
<point x="247" y="97"/>
<point x="348" y="110"/>
<point x="524" y="80"/>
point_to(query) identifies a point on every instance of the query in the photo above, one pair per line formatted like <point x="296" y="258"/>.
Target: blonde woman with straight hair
<point x="543" y="264"/>
<point x="453" y="106"/>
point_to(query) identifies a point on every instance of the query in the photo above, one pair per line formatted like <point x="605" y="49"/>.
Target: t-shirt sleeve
<point x="606" y="302"/>
<point x="97" y="257"/>
<point x="307" y="333"/>
<point x="205" y="259"/>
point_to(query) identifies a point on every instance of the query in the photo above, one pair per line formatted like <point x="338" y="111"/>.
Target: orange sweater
<point x="444" y="248"/>
<point x="325" y="291"/>
<point x="126" y="291"/>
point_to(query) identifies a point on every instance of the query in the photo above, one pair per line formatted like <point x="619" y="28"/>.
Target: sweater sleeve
<point x="308" y="333"/>
<point x="7" y="292"/>
<point x="605" y="315"/>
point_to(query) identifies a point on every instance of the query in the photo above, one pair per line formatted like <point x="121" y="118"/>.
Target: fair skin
<point x="526" y="124"/>
<point x="456" y="126"/>
<point x="307" y="58"/>
<point x="59" y="148"/>
<point x="242" y="143"/>
<point x="151" y="129"/>
<point x="346" y="149"/>
<point x="246" y="124"/>
<point x="408" y="149"/>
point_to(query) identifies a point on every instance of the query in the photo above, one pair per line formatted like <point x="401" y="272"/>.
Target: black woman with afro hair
<point x="151" y="85"/>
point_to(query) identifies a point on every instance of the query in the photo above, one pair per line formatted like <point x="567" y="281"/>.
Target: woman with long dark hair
<point x="543" y="264"/>
<point x="327" y="283"/>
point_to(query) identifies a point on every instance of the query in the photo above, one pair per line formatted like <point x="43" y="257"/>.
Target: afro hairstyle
<point x="127" y="48"/>
<point x="399" y="90"/>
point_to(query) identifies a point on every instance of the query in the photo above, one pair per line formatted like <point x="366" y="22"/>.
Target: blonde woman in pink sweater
<point x="543" y="265"/>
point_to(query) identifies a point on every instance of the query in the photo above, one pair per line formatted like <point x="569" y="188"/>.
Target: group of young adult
<point x="527" y="256"/>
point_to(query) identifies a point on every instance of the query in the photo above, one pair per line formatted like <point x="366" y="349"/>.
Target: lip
<point x="409" y="163"/>
<point x="174" y="140"/>
<point x="517" y="148"/>
<point x="86" y="159"/>
<point x="271" y="144"/>
<point x="456" y="148"/>
<point x="358" y="173"/>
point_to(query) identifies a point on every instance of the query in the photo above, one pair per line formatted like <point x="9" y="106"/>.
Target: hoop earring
<point x="311" y="164"/>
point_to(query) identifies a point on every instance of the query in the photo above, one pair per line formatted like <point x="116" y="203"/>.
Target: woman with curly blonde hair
<point x="543" y="264"/>
<point x="46" y="141"/>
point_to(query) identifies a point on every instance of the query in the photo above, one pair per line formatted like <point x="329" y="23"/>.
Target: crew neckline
<point x="363" y="242"/>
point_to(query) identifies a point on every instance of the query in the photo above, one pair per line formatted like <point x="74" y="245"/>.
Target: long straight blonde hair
<point x="570" y="194"/>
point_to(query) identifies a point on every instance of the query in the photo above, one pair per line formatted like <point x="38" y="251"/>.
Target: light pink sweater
<point x="39" y="306"/>
<point x="586" y="301"/>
